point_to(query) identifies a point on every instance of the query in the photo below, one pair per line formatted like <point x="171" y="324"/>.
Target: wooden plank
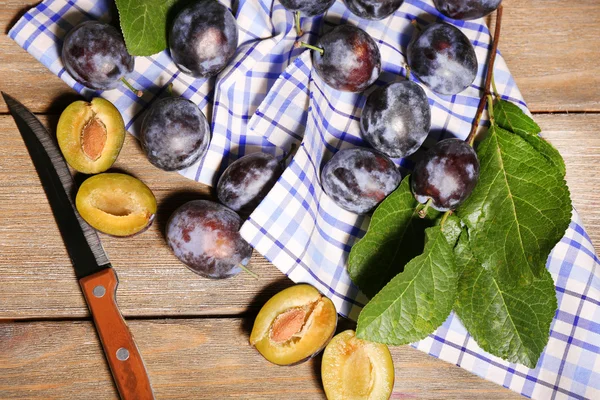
<point x="548" y="45"/>
<point x="198" y="359"/>
<point x="37" y="280"/>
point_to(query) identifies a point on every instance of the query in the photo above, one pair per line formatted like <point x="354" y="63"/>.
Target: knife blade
<point x="96" y="276"/>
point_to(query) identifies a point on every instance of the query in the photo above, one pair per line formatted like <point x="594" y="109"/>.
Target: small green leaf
<point x="144" y="25"/>
<point x="510" y="117"/>
<point x="510" y="323"/>
<point x="395" y="236"/>
<point x="546" y="150"/>
<point x="518" y="211"/>
<point x="417" y="301"/>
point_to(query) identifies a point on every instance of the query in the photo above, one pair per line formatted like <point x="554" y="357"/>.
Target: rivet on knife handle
<point x="123" y="357"/>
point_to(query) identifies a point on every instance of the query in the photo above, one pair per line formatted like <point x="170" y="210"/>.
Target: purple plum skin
<point x="466" y="9"/>
<point x="396" y="119"/>
<point x="203" y="38"/>
<point x="358" y="179"/>
<point x="447" y="175"/>
<point x="94" y="54"/>
<point x="443" y="58"/>
<point x="175" y="134"/>
<point x="351" y="61"/>
<point x="373" y="9"/>
<point x="247" y="181"/>
<point x="204" y="235"/>
<point x="309" y="8"/>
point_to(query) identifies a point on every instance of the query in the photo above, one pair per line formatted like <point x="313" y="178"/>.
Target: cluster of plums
<point x="175" y="134"/>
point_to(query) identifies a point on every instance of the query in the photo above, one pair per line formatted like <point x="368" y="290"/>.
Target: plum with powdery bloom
<point x="203" y="38"/>
<point x="373" y="9"/>
<point x="466" y="9"/>
<point x="205" y="236"/>
<point x="443" y="58"/>
<point x="310" y="8"/>
<point x="350" y="59"/>
<point x="175" y="134"/>
<point x="94" y="54"/>
<point x="358" y="179"/>
<point x="396" y="119"/>
<point x="446" y="175"/>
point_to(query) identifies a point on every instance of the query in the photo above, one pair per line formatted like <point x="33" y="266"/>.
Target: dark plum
<point x="446" y="175"/>
<point x="443" y="58"/>
<point x="396" y="119"/>
<point x="309" y="8"/>
<point x="246" y="182"/>
<point x="94" y="54"/>
<point x="203" y="38"/>
<point x="466" y="9"/>
<point x="373" y="9"/>
<point x="358" y="179"/>
<point x="204" y="235"/>
<point x="175" y="133"/>
<point x="347" y="59"/>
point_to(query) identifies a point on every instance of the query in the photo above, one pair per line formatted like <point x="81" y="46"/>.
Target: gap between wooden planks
<point x="549" y="46"/>
<point x="199" y="359"/>
<point x="37" y="279"/>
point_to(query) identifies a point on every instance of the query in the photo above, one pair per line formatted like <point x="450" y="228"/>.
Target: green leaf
<point x="416" y="301"/>
<point x="510" y="323"/>
<point x="144" y="25"/>
<point x="519" y="209"/>
<point x="395" y="236"/>
<point x="451" y="228"/>
<point x="546" y="150"/>
<point x="510" y="117"/>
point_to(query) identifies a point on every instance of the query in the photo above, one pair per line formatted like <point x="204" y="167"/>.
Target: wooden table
<point x="193" y="332"/>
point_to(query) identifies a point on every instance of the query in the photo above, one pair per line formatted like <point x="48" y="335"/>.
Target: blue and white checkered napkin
<point x="268" y="99"/>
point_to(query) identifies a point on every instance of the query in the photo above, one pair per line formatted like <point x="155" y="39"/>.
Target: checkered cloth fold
<point x="268" y="99"/>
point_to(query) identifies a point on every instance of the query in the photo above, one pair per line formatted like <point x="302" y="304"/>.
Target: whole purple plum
<point x="204" y="235"/>
<point x="310" y="8"/>
<point x="350" y="60"/>
<point x="94" y="54"/>
<point x="203" y="38"/>
<point x="446" y="175"/>
<point x="396" y="119"/>
<point x="466" y="9"/>
<point x="373" y="9"/>
<point x="246" y="182"/>
<point x="175" y="133"/>
<point x="358" y="179"/>
<point x="443" y="58"/>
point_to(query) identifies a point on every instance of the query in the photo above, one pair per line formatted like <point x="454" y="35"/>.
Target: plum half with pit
<point x="466" y="9"/>
<point x="90" y="135"/>
<point x="203" y="38"/>
<point x="373" y="9"/>
<point x="116" y="204"/>
<point x="446" y="175"/>
<point x="294" y="325"/>
<point x="246" y="182"/>
<point x="443" y="58"/>
<point x="205" y="236"/>
<point x="357" y="369"/>
<point x="175" y="133"/>
<point x="309" y="8"/>
<point x="396" y="119"/>
<point x="358" y="179"/>
<point x="94" y="54"/>
<point x="347" y="59"/>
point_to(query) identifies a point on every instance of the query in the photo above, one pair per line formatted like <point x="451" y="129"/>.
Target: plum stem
<point x="310" y="46"/>
<point x="298" y="26"/>
<point x="170" y="89"/>
<point x="490" y="102"/>
<point x="423" y="211"/>
<point x="494" y="88"/>
<point x="138" y="93"/>
<point x="488" y="77"/>
<point x="407" y="67"/>
<point x="444" y="218"/>
<point x="252" y="274"/>
<point x="416" y="25"/>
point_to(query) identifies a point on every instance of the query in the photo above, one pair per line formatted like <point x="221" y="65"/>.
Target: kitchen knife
<point x="96" y="277"/>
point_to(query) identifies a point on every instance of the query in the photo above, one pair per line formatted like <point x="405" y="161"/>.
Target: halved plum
<point x="294" y="325"/>
<point x="116" y="204"/>
<point x="355" y="369"/>
<point x="90" y="135"/>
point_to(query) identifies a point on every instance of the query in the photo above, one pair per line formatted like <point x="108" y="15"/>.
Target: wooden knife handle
<point x="123" y="357"/>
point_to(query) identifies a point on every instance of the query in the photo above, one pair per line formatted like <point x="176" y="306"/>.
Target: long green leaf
<point x="510" y="117"/>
